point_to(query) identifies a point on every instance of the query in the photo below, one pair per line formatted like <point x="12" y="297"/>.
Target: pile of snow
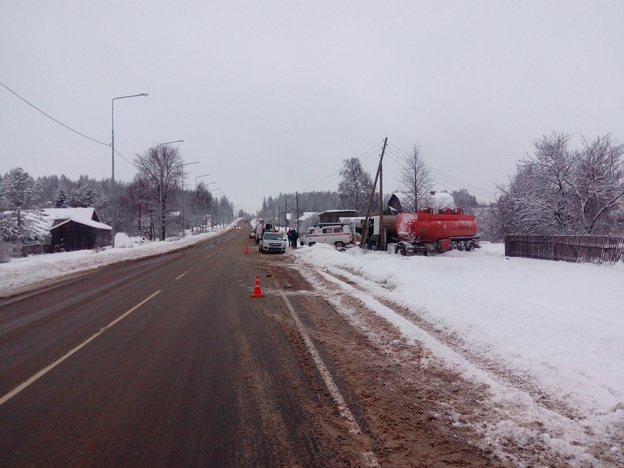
<point x="556" y="327"/>
<point x="123" y="241"/>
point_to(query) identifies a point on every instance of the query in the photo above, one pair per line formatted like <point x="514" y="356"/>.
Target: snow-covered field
<point x="546" y="338"/>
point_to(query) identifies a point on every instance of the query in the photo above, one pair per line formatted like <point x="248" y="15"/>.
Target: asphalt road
<point x="171" y="363"/>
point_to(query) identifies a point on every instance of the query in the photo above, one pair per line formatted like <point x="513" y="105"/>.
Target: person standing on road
<point x="293" y="236"/>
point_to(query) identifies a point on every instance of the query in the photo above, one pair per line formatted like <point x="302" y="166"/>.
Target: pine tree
<point x="19" y="192"/>
<point x="60" y="201"/>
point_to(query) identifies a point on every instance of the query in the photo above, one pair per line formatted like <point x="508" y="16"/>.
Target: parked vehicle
<point x="337" y="234"/>
<point x="261" y="227"/>
<point x="252" y="234"/>
<point x="424" y="232"/>
<point x="272" y="242"/>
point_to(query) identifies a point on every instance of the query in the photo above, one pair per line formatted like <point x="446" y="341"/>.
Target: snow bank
<point x="20" y="272"/>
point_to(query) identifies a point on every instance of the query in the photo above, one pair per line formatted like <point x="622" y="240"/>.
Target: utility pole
<point x="382" y="232"/>
<point x="297" y="213"/>
<point x="370" y="202"/>
<point x="285" y="212"/>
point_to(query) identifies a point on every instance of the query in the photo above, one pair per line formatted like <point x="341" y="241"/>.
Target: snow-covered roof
<point x="440" y="200"/>
<point x="86" y="222"/>
<point x="76" y="214"/>
<point x="86" y="216"/>
<point x="337" y="211"/>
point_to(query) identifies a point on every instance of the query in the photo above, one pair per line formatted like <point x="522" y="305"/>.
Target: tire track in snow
<point x="523" y="418"/>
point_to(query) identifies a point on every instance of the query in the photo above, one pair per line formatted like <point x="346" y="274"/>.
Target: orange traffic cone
<point x="257" y="290"/>
<point x="246" y="250"/>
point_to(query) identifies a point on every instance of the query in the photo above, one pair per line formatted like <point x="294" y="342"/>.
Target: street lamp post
<point x="113" y="159"/>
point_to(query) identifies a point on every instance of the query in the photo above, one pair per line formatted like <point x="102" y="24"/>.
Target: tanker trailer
<point x="426" y="232"/>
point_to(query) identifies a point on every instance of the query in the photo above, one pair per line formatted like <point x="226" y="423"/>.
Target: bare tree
<point x="161" y="167"/>
<point x="356" y="185"/>
<point x="201" y="203"/>
<point x="415" y="182"/>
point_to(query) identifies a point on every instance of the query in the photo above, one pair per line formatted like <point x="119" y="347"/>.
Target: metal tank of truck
<point x="424" y="232"/>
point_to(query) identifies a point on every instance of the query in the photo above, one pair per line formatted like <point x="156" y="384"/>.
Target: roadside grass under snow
<point x="556" y="327"/>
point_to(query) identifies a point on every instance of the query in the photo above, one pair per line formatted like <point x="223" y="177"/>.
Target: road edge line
<point x="343" y="408"/>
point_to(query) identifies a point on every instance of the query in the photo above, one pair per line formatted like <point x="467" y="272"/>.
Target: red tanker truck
<point x="425" y="232"/>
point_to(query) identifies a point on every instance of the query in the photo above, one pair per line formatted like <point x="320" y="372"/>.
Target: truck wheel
<point x="339" y="244"/>
<point x="401" y="250"/>
<point x="311" y="244"/>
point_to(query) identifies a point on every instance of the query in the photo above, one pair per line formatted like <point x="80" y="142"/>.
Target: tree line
<point x="150" y="205"/>
<point x="556" y="190"/>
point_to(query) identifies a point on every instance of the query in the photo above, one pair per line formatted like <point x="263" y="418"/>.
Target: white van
<point x="334" y="234"/>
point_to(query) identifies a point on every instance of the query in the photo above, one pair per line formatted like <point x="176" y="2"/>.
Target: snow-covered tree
<point x="201" y="203"/>
<point x="464" y="199"/>
<point x="560" y="191"/>
<point x="85" y="193"/>
<point x="61" y="198"/>
<point x="355" y="186"/>
<point x="598" y="183"/>
<point x="19" y="193"/>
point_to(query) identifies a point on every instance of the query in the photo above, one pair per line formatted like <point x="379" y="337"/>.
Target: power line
<point x="363" y="157"/>
<point x="449" y="179"/>
<point x="124" y="158"/>
<point x="55" y="120"/>
<point x="443" y="179"/>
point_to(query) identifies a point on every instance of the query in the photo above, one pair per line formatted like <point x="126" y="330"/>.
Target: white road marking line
<point x="343" y="408"/>
<point x="209" y="256"/>
<point x="182" y="275"/>
<point x="47" y="369"/>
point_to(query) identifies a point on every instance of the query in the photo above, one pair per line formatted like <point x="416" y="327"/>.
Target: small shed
<point x="77" y="229"/>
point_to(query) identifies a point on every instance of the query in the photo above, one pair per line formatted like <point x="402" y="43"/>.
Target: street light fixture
<point x="113" y="158"/>
<point x="170" y="143"/>
<point x="197" y="177"/>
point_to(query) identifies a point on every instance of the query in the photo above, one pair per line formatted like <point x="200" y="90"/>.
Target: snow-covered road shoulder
<point x="20" y="273"/>
<point x="545" y="337"/>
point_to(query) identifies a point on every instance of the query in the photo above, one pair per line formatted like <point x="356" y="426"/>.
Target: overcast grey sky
<point x="271" y="96"/>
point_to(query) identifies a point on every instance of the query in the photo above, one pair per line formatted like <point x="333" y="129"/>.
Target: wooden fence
<point x="600" y="249"/>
